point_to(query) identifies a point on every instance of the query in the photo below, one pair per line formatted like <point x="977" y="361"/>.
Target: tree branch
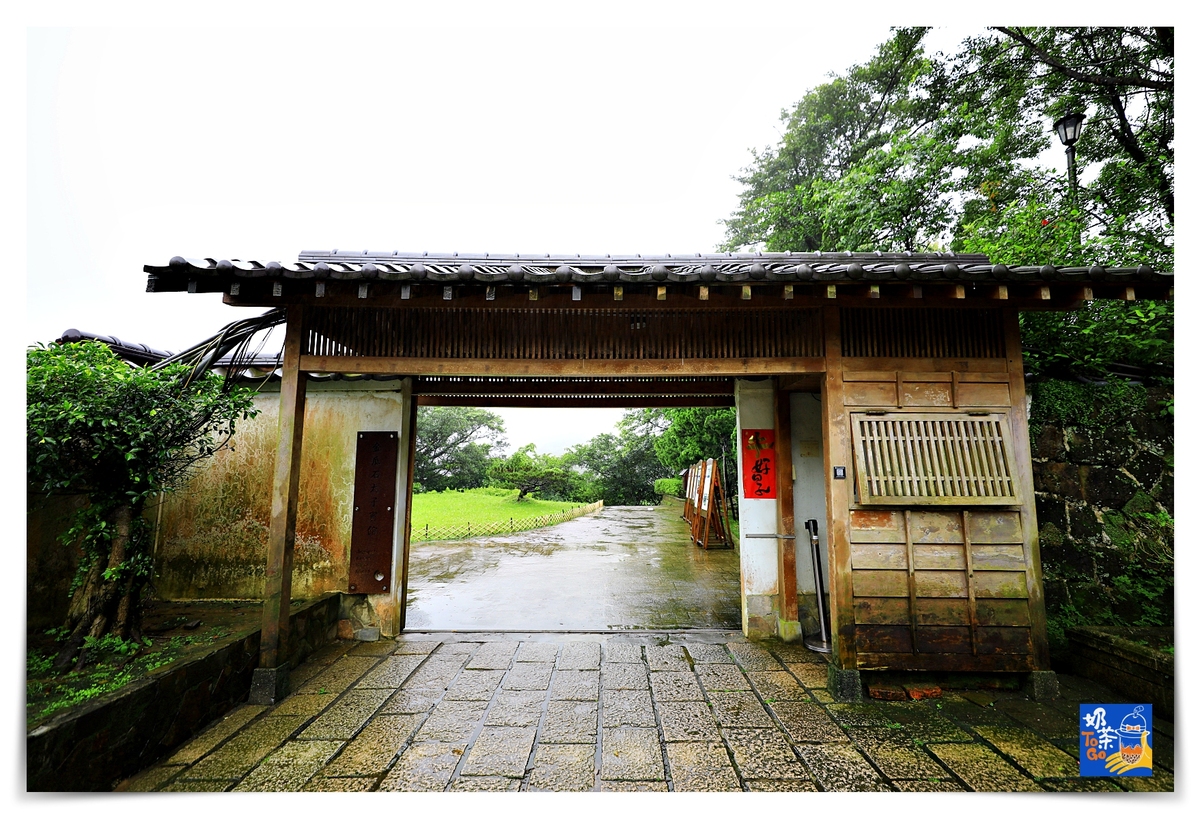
<point x="1103" y="80"/>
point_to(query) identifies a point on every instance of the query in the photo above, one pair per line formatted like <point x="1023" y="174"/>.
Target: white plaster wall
<point x="755" y="403"/>
<point x="808" y="496"/>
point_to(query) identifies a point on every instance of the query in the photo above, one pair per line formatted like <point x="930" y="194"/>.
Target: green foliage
<point x="622" y="467"/>
<point x="98" y="426"/>
<point x="530" y="472"/>
<point x="1093" y="339"/>
<point x="118" y="434"/>
<point x="672" y="486"/>
<point x="911" y="151"/>
<point x="455" y="446"/>
<point x="1093" y="405"/>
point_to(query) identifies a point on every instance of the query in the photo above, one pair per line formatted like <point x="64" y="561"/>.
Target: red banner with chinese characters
<point x="758" y="464"/>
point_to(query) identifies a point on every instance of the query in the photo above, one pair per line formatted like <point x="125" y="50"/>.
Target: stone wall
<point x="1105" y="502"/>
<point x="93" y="746"/>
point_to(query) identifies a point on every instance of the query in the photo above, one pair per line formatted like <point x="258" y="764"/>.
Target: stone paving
<point x="623" y="567"/>
<point x="681" y="711"/>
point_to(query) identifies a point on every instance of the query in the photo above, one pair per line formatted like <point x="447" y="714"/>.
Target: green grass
<point x="439" y="509"/>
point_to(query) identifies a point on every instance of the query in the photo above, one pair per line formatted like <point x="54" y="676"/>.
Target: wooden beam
<point x="285" y="489"/>
<point x="566" y="401"/>
<point x="560" y="367"/>
<point x="575" y="387"/>
<point x="785" y="521"/>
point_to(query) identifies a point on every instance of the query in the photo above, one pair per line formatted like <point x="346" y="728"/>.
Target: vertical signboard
<point x="707" y="487"/>
<point x="374" y="513"/>
<point x="758" y="464"/>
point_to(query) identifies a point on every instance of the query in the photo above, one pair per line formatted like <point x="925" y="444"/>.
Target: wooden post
<point x="1024" y="486"/>
<point x="270" y="677"/>
<point x="409" y="451"/>
<point x="785" y="523"/>
<point x="835" y="432"/>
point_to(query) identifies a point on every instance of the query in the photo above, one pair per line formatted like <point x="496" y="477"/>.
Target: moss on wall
<point x="1103" y="468"/>
<point x="212" y="539"/>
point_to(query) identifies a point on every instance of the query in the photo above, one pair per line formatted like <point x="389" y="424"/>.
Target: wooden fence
<point x="466" y="531"/>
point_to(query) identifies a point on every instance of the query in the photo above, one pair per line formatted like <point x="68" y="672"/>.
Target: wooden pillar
<point x="835" y="433"/>
<point x="270" y="678"/>
<point x="408" y="457"/>
<point x="1022" y="457"/>
<point x="785" y="525"/>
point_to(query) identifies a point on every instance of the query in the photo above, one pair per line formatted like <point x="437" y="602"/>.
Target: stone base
<point x="1042" y="685"/>
<point x="760" y="616"/>
<point x="790" y="631"/>
<point x="367" y="634"/>
<point x="269" y="685"/>
<point x="845" y="685"/>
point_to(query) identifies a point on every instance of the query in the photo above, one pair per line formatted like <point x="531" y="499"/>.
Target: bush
<point x="669" y="485"/>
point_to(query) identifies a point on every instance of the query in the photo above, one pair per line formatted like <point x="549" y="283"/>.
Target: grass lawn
<point x="439" y="509"/>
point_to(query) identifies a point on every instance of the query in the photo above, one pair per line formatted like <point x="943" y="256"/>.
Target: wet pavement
<point x="624" y="567"/>
<point x="694" y="710"/>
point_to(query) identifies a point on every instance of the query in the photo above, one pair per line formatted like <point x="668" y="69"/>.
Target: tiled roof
<point x="713" y="268"/>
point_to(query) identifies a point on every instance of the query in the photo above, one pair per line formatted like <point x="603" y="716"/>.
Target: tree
<point x="918" y="152"/>
<point x="532" y="473"/>
<point x="455" y="446"/>
<point x="625" y="465"/>
<point x="120" y="435"/>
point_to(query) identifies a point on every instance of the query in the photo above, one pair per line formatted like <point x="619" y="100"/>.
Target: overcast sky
<point x="469" y="127"/>
<point x="534" y="135"/>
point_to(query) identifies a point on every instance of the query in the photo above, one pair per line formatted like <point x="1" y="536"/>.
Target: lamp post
<point x="1068" y="129"/>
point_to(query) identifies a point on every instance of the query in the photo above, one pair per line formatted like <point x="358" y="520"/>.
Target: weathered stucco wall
<point x="212" y="538"/>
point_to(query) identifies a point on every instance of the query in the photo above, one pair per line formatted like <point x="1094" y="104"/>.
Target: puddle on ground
<point x="626" y="567"/>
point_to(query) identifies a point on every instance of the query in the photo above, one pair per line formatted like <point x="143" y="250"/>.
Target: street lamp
<point x="1068" y="129"/>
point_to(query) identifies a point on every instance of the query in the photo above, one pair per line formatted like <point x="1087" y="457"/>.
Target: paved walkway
<point x="683" y="711"/>
<point x="624" y="567"/>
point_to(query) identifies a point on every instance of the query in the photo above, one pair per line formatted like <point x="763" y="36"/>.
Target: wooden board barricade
<point x="710" y="520"/>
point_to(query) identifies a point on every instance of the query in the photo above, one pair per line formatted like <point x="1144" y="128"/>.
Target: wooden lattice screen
<point x="922" y="333"/>
<point x="935" y="458"/>
<point x="551" y="333"/>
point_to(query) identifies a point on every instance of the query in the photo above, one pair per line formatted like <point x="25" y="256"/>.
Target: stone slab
<point x="563" y="768"/>
<point x="676" y="686"/>
<point x="423" y="767"/>
<point x="501" y="751"/>
<point x="631" y="754"/>
<point x="569" y="722"/>
<point x="701" y="766"/>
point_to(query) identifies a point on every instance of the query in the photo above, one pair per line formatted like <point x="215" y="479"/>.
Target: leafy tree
<point x="529" y="472"/>
<point x="455" y="446"/>
<point x="916" y="152"/>
<point x="625" y="465"/>
<point x="120" y="435"/>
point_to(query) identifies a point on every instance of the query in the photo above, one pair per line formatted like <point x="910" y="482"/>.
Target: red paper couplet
<point x="758" y="464"/>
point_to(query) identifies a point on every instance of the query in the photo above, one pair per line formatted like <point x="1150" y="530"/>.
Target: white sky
<point x="535" y="132"/>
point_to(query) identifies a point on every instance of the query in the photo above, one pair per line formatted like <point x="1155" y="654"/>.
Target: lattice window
<point x="933" y="458"/>
<point x="922" y="333"/>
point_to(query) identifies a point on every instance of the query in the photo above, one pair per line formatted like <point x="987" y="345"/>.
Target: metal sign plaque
<point x="374" y="519"/>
